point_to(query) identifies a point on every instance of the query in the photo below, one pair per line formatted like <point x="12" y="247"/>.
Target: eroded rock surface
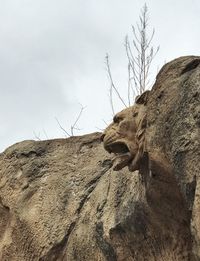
<point x="62" y="200"/>
<point x="174" y="129"/>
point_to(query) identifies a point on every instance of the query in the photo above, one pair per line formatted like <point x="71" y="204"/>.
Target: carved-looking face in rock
<point x="125" y="136"/>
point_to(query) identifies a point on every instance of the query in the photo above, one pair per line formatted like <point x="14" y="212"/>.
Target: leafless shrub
<point x="140" y="54"/>
<point x="74" y="126"/>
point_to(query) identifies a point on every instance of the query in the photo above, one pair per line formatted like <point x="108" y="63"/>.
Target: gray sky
<point x="52" y="57"/>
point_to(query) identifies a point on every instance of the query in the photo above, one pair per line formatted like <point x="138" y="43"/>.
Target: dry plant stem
<point x="105" y="122"/>
<point x="74" y="126"/>
<point x="45" y="134"/>
<point x="63" y="129"/>
<point x="129" y="85"/>
<point x="140" y="53"/>
<point x="112" y="86"/>
<point x="37" y="137"/>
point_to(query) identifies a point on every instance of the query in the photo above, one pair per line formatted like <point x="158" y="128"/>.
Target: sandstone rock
<point x="174" y="128"/>
<point x="61" y="200"/>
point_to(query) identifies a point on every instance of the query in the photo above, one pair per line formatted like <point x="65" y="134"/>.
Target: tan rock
<point x="62" y="200"/>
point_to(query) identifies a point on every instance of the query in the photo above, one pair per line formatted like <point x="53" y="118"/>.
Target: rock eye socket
<point x="117" y="119"/>
<point x="135" y="114"/>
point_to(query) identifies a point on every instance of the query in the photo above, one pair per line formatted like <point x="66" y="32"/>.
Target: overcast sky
<point x="52" y="55"/>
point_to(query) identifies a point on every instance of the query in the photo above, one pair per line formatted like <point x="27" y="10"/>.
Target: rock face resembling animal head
<point x="125" y="136"/>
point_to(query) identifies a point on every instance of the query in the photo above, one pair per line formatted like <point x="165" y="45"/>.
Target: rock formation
<point x="62" y="200"/>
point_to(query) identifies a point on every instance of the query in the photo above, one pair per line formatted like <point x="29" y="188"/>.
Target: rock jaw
<point x="121" y="161"/>
<point x="122" y="156"/>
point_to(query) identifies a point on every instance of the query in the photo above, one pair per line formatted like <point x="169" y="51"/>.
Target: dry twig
<point x="73" y="126"/>
<point x="140" y="54"/>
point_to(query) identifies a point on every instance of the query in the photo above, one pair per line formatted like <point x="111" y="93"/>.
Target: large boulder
<point x="174" y="128"/>
<point x="62" y="200"/>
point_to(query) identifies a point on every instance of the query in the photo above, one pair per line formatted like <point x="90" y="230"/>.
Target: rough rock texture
<point x="174" y="129"/>
<point x="61" y="199"/>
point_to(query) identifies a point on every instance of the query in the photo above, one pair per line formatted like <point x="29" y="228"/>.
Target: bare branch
<point x="129" y="84"/>
<point x="129" y="53"/>
<point x="113" y="87"/>
<point x="140" y="54"/>
<point x="45" y="134"/>
<point x="99" y="129"/>
<point x="135" y="34"/>
<point x="105" y="122"/>
<point x="37" y="137"/>
<point x="74" y="126"/>
<point x="63" y="129"/>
